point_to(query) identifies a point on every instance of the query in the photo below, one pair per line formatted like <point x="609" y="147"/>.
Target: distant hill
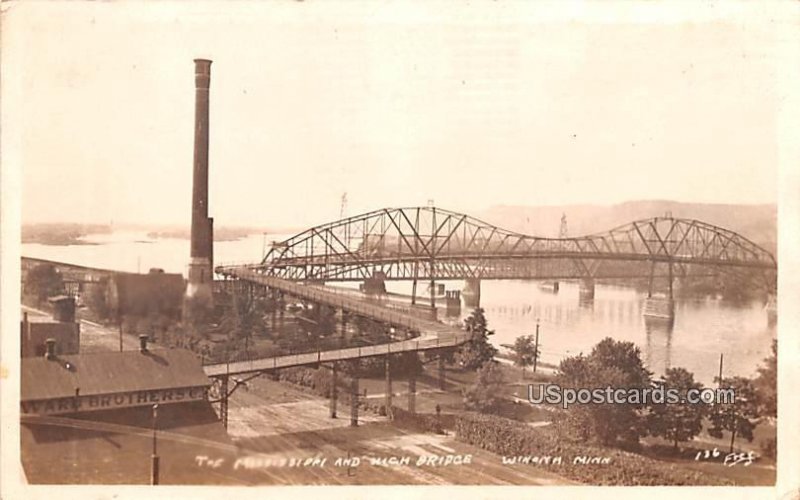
<point x="61" y="233"/>
<point x="759" y="223"/>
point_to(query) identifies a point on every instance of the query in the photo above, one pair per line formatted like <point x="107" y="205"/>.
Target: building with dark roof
<point x="56" y="384"/>
<point x="91" y="418"/>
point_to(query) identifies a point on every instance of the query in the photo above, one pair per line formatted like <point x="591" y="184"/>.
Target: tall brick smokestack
<point x="199" y="288"/>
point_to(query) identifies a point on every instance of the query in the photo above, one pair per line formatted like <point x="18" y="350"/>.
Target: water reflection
<point x="571" y="324"/>
<point x="658" y="344"/>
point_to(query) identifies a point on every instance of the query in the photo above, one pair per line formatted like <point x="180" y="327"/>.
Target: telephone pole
<point x="536" y="347"/>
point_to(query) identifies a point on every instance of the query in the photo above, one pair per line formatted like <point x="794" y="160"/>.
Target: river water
<point x="702" y="330"/>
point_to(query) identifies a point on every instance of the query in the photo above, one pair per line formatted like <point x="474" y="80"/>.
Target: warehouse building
<point x="92" y="418"/>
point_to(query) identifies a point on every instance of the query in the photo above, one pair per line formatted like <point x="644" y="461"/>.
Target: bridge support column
<point x="223" y="402"/>
<point x="388" y="398"/>
<point x="334" y="390"/>
<point x="414" y="292"/>
<point x="772" y="309"/>
<point x="281" y="307"/>
<point x="441" y="372"/>
<point x="453" y="298"/>
<point x="354" y="401"/>
<point x="412" y="392"/>
<point x="433" y="296"/>
<point x="659" y="308"/>
<point x="472" y="292"/>
<point x="344" y="324"/>
<point x="586" y="289"/>
<point x="376" y="284"/>
<point x="273" y="317"/>
<point x="671" y="279"/>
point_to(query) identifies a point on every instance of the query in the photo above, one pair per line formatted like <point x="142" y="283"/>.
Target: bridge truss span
<point x="432" y="243"/>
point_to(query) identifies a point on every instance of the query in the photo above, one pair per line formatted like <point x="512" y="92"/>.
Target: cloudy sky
<point x="470" y="105"/>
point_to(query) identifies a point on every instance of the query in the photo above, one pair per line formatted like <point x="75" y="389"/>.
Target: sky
<point x="467" y="104"/>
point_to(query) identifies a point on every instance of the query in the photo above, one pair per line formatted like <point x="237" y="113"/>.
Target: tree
<point x="97" y="301"/>
<point x="485" y="394"/>
<point x="681" y="421"/>
<point x="524" y="351"/>
<point x="43" y="281"/>
<point x="738" y="417"/>
<point x="626" y="357"/>
<point x="766" y="383"/>
<point x="244" y="320"/>
<point x="475" y="353"/>
<point x="318" y="320"/>
<point x="611" y="364"/>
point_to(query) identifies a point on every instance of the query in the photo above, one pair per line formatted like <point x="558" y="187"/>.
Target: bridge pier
<point x="376" y="284"/>
<point x="412" y="392"/>
<point x="414" y="292"/>
<point x="388" y="391"/>
<point x="660" y="307"/>
<point x="472" y="292"/>
<point x="433" y="296"/>
<point x="772" y="309"/>
<point x="453" y="299"/>
<point x="549" y="286"/>
<point x="334" y="391"/>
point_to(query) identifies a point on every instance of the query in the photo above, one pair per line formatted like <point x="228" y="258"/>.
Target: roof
<point x="110" y="373"/>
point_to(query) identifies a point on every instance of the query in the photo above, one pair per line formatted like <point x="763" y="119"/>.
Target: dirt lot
<point x="272" y="422"/>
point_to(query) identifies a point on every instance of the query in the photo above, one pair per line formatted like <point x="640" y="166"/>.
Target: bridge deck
<point x="433" y="335"/>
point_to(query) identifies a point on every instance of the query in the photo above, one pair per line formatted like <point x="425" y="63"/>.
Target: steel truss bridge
<point x="428" y="243"/>
<point x="434" y="244"/>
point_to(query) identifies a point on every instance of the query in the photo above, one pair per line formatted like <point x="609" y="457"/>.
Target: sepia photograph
<point x="346" y="243"/>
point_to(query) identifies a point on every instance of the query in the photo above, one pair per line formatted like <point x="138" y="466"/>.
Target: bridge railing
<point x="336" y="299"/>
<point x="312" y="358"/>
<point x="387" y="301"/>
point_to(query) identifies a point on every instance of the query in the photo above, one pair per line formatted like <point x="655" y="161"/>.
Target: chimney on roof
<point x="143" y="343"/>
<point x="63" y="308"/>
<point x="50" y="353"/>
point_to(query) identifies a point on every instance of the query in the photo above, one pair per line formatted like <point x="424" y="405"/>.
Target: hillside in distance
<point x="759" y="223"/>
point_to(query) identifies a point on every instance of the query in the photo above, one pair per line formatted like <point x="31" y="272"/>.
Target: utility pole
<point x="536" y="347"/>
<point x="719" y="380"/>
<point x="154" y="457"/>
<point x="120" y="335"/>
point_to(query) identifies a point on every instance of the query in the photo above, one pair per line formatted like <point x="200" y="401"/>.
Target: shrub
<point x="769" y="447"/>
<point x="422" y="422"/>
<point x="511" y="438"/>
